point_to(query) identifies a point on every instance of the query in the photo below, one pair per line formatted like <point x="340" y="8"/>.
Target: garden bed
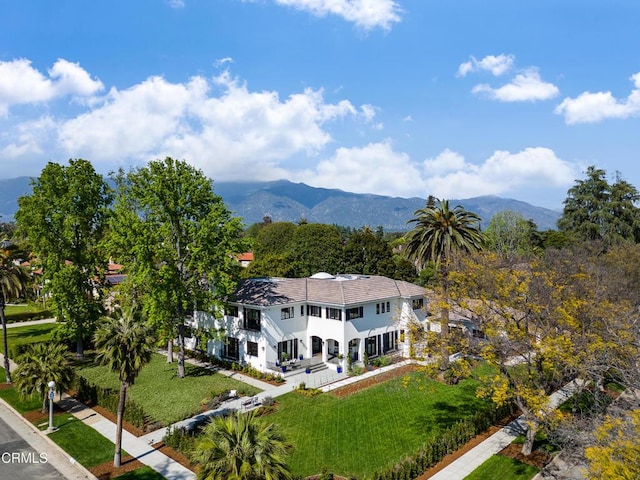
<point x="365" y="383"/>
<point x="106" y="470"/>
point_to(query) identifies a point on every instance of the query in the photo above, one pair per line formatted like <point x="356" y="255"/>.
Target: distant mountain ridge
<point x="283" y="200"/>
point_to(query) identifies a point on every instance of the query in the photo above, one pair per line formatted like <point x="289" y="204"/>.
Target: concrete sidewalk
<point x="137" y="447"/>
<point x="463" y="466"/>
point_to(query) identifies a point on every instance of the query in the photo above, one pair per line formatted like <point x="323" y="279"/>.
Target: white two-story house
<point x="324" y="316"/>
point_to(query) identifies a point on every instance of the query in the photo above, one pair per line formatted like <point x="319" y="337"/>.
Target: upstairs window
<point x="356" y="312"/>
<point x="251" y="319"/>
<point x="334" y="313"/>
<point x="314" y="311"/>
<point x="417" y="303"/>
<point x="286" y="313"/>
<point x="231" y="310"/>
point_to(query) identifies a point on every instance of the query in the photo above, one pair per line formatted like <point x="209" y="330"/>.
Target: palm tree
<point x="124" y="344"/>
<point x="38" y="365"/>
<point x="13" y="280"/>
<point x="439" y="233"/>
<point x="239" y="447"/>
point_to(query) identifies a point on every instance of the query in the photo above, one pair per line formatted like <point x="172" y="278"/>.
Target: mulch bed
<point x="106" y="470"/>
<point x="174" y="455"/>
<point x="37" y="416"/>
<point x="5" y="386"/>
<point x="371" y="381"/>
<point x="538" y="458"/>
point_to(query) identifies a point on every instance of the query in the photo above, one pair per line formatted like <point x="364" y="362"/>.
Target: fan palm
<point x="13" y="280"/>
<point x="124" y="344"/>
<point x="38" y="365"/>
<point x="239" y="447"/>
<point x="439" y="233"/>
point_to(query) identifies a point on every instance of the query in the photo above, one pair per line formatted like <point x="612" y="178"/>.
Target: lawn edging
<point x="51" y="443"/>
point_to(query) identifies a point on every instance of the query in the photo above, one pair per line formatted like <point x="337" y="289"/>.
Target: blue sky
<point x="393" y="97"/>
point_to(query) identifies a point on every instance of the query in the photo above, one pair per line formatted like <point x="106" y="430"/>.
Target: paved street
<point x="23" y="453"/>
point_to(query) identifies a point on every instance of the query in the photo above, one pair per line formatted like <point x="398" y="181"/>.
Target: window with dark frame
<point x="251" y="320"/>
<point x="252" y="349"/>
<point x="417" y="303"/>
<point x="286" y="313"/>
<point x="355" y="312"/>
<point x="231" y="310"/>
<point x="334" y="313"/>
<point x="314" y="311"/>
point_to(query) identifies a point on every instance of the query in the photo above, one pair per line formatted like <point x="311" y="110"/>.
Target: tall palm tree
<point x="439" y="233"/>
<point x="239" y="447"/>
<point x="124" y="344"/>
<point x="38" y="365"/>
<point x="13" y="280"/>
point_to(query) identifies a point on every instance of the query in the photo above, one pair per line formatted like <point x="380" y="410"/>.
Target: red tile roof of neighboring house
<point x="246" y="257"/>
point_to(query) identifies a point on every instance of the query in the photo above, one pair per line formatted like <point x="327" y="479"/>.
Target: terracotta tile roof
<point x="246" y="257"/>
<point x="340" y="290"/>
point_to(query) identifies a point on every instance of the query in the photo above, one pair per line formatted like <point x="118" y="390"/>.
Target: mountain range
<point x="283" y="200"/>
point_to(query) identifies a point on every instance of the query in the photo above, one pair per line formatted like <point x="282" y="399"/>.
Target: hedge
<point x="436" y="448"/>
<point x="108" y="398"/>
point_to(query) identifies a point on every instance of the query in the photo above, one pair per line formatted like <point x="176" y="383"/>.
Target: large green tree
<point x="317" y="247"/>
<point x="39" y="364"/>
<point x="509" y="233"/>
<point x="595" y="210"/>
<point x="439" y="233"/>
<point x="368" y="253"/>
<point x="64" y="220"/>
<point x="124" y="344"/>
<point x="178" y="242"/>
<point x="240" y="447"/>
<point x="13" y="281"/>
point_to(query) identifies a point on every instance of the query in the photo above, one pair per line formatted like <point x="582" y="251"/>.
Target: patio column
<point x="325" y="350"/>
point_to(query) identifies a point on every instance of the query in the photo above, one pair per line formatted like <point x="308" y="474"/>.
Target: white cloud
<point x="222" y="61"/>
<point x="376" y="167"/>
<point x="366" y="14"/>
<point x="234" y="135"/>
<point x="21" y="83"/>
<point x="593" y="107"/>
<point x="176" y="3"/>
<point x="496" y="64"/>
<point x="503" y="172"/>
<point x="526" y="86"/>
<point x="446" y="161"/>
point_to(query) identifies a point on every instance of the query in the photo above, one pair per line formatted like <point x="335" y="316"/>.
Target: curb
<point x="53" y="444"/>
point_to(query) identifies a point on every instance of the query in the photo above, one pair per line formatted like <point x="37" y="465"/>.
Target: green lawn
<point x="372" y="429"/>
<point x="144" y="473"/>
<point x="10" y="396"/>
<point x="81" y="442"/>
<point x="163" y="395"/>
<point x="504" y="468"/>
<point x="25" y="311"/>
<point x="27" y="334"/>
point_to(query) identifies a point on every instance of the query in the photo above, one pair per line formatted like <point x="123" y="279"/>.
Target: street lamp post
<point x="52" y="386"/>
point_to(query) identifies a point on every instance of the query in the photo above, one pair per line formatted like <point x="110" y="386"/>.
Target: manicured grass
<point x="504" y="468"/>
<point x="371" y="429"/>
<point x="163" y="395"/>
<point x="27" y="334"/>
<point x="10" y="396"/>
<point x="81" y="442"/>
<point x="26" y="311"/>
<point x="144" y="473"/>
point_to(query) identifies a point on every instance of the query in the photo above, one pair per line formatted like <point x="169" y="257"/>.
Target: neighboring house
<point x="245" y="259"/>
<point x="271" y="319"/>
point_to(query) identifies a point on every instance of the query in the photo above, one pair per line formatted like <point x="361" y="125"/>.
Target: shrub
<point x="268" y="401"/>
<point x="382" y="361"/>
<point x="108" y="399"/>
